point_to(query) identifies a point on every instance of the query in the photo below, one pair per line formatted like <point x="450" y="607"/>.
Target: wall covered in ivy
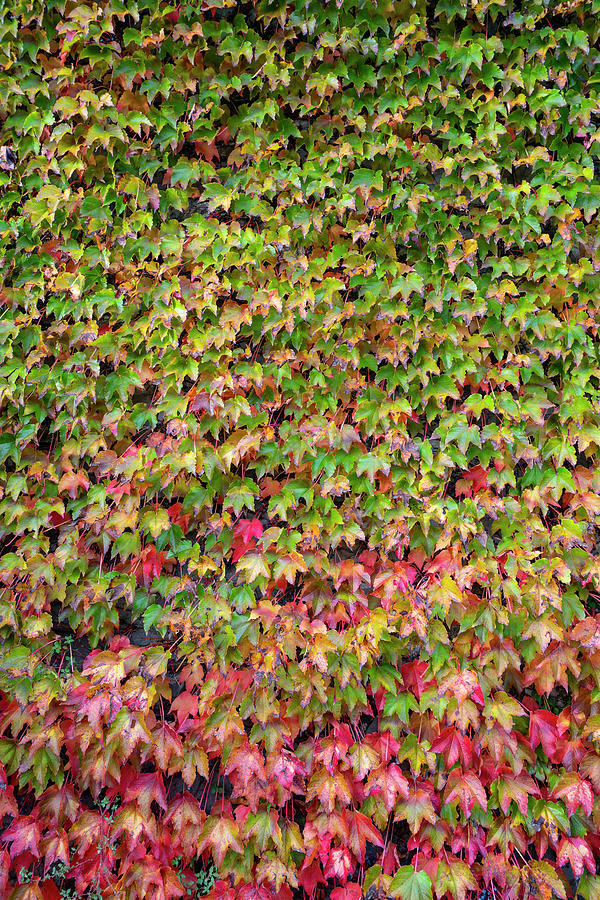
<point x="299" y="443"/>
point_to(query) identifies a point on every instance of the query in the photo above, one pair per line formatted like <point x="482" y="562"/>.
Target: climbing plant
<point x="299" y="436"/>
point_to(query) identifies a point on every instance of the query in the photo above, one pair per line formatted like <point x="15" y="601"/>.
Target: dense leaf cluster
<point x="299" y="437"/>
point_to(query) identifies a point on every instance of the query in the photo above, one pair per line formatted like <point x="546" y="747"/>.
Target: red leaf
<point x="168" y="749"/>
<point x="467" y="789"/>
<point x="8" y="804"/>
<point x="58" y="804"/>
<point x="222" y="890"/>
<point x="351" y="891"/>
<point x="340" y="863"/>
<point x="245" y="535"/>
<point x="28" y="891"/>
<point x="285" y="767"/>
<point x="474" y="480"/>
<point x="389" y="859"/>
<point x="23" y="834"/>
<point x="186" y="818"/>
<point x="247" y="762"/>
<point x="471" y="841"/>
<point x="576" y="792"/>
<point x="206" y="149"/>
<point x="515" y="787"/>
<point x="543" y="729"/>
<point x="50" y="891"/>
<point x="576" y="851"/>
<point x="254" y="891"/>
<point x="462" y="685"/>
<point x="360" y="830"/>
<point x="184" y="705"/>
<point x="454" y="746"/>
<point x="57" y="519"/>
<point x="389" y="783"/>
<point x="412" y="675"/>
<point x="144" y="789"/>
<point x="171" y="885"/>
<point x="175" y="516"/>
<point x="55" y="847"/>
<point x="143" y="875"/>
<point x="152" y="564"/>
<point x="329" y="787"/>
<point x="86" y="830"/>
<point x="133" y="825"/>
<point x="332" y="749"/>
<point x="417" y="807"/>
<point x="369" y="560"/>
<point x="310" y="876"/>
<point x="116" y="489"/>
<point x="284" y="893"/>
<point x="4" y="869"/>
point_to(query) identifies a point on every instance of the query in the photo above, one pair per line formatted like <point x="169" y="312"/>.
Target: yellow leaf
<point x="253" y="566"/>
<point x="220" y="833"/>
<point x="155" y="521"/>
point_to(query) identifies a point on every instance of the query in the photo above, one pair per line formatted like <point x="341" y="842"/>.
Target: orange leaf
<point x="330" y="787"/>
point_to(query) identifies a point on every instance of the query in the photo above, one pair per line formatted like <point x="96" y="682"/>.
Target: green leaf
<point x="400" y="706"/>
<point x="407" y="884"/>
<point x="19" y="658"/>
<point x="217" y="195"/>
<point x="7" y="446"/>
<point x="152" y="615"/>
<point x="371" y="464"/>
<point x="366" y="178"/>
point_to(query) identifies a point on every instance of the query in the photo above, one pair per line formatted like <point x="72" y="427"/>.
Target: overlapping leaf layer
<point x="300" y="501"/>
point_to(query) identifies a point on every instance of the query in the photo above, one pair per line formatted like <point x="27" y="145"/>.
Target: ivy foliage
<point x="299" y="436"/>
